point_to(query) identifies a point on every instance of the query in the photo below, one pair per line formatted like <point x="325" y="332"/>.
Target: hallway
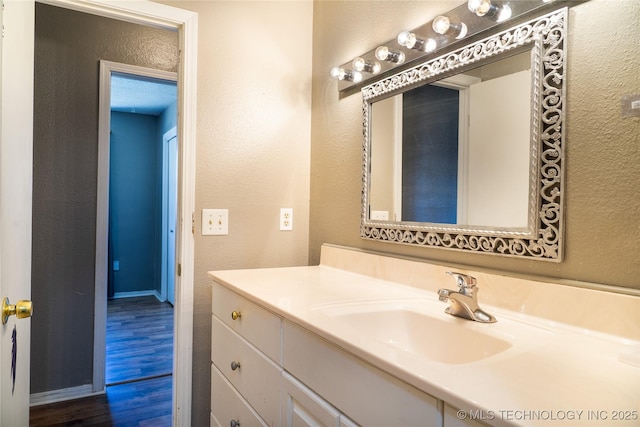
<point x="139" y="339"/>
<point x="138" y="372"/>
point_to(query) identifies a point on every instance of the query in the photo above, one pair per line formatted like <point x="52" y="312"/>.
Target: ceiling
<point x="141" y="95"/>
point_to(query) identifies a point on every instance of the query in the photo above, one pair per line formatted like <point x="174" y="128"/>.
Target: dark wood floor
<point x="139" y="339"/>
<point x="138" y="372"/>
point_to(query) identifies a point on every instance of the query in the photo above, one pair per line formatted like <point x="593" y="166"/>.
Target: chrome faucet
<point x="464" y="302"/>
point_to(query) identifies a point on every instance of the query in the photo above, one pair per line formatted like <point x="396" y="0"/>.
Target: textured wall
<point x="68" y="46"/>
<point x="253" y="143"/>
<point x="602" y="229"/>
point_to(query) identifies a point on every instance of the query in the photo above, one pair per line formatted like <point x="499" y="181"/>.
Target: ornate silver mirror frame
<point x="546" y="36"/>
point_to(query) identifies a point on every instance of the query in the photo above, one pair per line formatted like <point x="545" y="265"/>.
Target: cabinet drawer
<point x="228" y="405"/>
<point x="364" y="393"/>
<point x="257" y="325"/>
<point x="255" y="376"/>
<point x="302" y="407"/>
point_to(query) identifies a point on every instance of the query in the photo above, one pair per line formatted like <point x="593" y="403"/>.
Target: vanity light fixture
<point x="383" y="53"/>
<point x="361" y="64"/>
<point x="443" y="25"/>
<point x="340" y="73"/>
<point x="490" y="10"/>
<point x="446" y="30"/>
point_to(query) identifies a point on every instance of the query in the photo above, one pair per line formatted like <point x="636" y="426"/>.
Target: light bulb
<point x="361" y="64"/>
<point x="462" y="31"/>
<point x="490" y="10"/>
<point x="504" y="14"/>
<point x="443" y="25"/>
<point x="410" y="40"/>
<point x="356" y="76"/>
<point x="339" y="73"/>
<point x="479" y="7"/>
<point x="407" y="39"/>
<point x="383" y="53"/>
<point x="430" y="45"/>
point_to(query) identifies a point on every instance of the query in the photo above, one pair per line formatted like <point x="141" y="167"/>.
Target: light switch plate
<point x="215" y="222"/>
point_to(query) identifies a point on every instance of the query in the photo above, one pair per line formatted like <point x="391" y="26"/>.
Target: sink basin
<point x="438" y="337"/>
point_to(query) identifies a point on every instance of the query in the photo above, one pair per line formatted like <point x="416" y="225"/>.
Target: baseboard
<point x="63" y="394"/>
<point x="134" y="294"/>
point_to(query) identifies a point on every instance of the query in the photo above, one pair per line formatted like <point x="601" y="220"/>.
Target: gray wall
<point x="135" y="211"/>
<point x="68" y="46"/>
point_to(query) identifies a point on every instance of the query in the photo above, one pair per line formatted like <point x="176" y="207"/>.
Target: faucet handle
<point x="465" y="282"/>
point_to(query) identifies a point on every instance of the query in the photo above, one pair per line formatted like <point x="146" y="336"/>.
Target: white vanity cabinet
<point x="367" y="395"/>
<point x="269" y="371"/>
<point x="246" y="362"/>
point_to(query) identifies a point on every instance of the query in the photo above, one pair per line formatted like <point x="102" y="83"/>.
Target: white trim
<point x="186" y="22"/>
<point x="462" y="82"/>
<point x="62" y="394"/>
<point x="185" y="246"/>
<point x="107" y="68"/>
<point x="463" y="155"/>
<point x="397" y="158"/>
<point x="134" y="294"/>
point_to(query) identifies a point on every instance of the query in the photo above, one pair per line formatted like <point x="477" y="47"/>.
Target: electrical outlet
<point x="286" y="219"/>
<point x="215" y="222"/>
<point x="631" y="105"/>
<point x="380" y="215"/>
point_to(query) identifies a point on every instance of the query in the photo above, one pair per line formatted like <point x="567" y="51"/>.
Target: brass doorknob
<point x="22" y="309"/>
<point x="235" y="315"/>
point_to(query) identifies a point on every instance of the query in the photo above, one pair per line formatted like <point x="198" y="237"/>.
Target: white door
<point x="172" y="209"/>
<point x="16" y="148"/>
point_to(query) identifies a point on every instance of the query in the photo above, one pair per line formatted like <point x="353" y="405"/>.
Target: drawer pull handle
<point x="235" y="315"/>
<point x="235" y="423"/>
<point x="235" y="365"/>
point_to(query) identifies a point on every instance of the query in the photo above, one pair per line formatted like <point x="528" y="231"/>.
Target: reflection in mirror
<point x="455" y="151"/>
<point x="465" y="151"/>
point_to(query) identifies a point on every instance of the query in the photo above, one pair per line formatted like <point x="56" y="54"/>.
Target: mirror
<point x="465" y="151"/>
<point x="468" y="163"/>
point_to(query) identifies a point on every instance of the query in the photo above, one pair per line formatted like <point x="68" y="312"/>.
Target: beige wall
<point x="257" y="150"/>
<point x="253" y="133"/>
<point x="602" y="227"/>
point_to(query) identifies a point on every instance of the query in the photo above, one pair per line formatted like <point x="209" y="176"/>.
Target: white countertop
<point x="553" y="375"/>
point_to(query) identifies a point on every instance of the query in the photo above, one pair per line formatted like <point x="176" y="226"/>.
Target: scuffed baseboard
<point x="63" y="394"/>
<point x="138" y="294"/>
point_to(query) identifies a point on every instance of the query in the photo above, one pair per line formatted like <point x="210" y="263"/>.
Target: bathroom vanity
<point x="342" y="344"/>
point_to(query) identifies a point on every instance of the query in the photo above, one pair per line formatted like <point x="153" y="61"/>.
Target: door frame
<point x="107" y="69"/>
<point x="186" y="24"/>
